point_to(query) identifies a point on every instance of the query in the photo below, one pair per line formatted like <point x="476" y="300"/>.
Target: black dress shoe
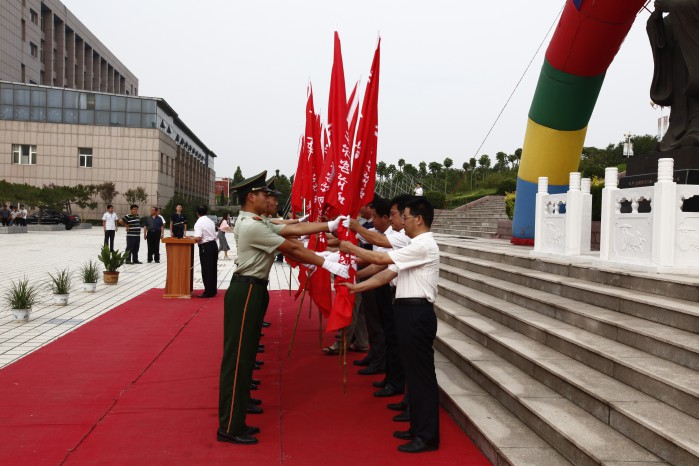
<point x="261" y="335"/>
<point x="402" y="417"/>
<point x="255" y="401"/>
<point x="137" y="262"/>
<point x="256" y="367"/>
<point x="368" y="371"/>
<point x="260" y="346"/>
<point x="253" y="386"/>
<point x="241" y="439"/>
<point x="388" y="391"/>
<point x="252" y="430"/>
<point x="255" y="381"/>
<point x="204" y="295"/>
<point x="379" y="384"/>
<point x="260" y="363"/>
<point x="361" y="362"/>
<point x="400" y="406"/>
<point x="417" y="445"/>
<point x="260" y="350"/>
<point x="403" y="434"/>
<point x="265" y="323"/>
<point x="254" y="410"/>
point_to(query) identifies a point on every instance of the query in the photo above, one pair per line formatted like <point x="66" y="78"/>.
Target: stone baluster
<point x="541" y="208"/>
<point x="586" y="225"/>
<point x="574" y="210"/>
<point x="611" y="182"/>
<point x="664" y="210"/>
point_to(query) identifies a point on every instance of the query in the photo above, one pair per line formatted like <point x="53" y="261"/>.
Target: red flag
<point x="301" y="192"/>
<point x="352" y="114"/>
<point x="298" y="188"/>
<point x="364" y="157"/>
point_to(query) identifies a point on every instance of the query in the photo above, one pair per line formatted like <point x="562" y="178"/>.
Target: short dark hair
<point x="202" y="210"/>
<point x="381" y="207"/>
<point x="421" y="206"/>
<point x="401" y="200"/>
<point x="109" y="206"/>
<point x="133" y="206"/>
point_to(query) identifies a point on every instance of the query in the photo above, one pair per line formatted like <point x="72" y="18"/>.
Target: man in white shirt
<point x="417" y="268"/>
<point x="205" y="234"/>
<point x="109" y="226"/>
<point x="418" y="190"/>
<point x="22" y="216"/>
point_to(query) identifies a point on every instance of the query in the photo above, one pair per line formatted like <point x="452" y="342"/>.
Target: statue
<point x="674" y="39"/>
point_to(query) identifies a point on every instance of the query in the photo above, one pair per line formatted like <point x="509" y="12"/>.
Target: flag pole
<point x="296" y="324"/>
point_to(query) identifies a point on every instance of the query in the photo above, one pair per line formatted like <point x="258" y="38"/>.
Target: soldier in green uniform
<point x="247" y="297"/>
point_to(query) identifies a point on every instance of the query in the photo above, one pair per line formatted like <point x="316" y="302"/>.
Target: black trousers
<point x="395" y="376"/>
<point x="208" y="257"/>
<point x="243" y="309"/>
<point x="109" y="238"/>
<point x="416" y="326"/>
<point x="153" y="241"/>
<point x="133" y="244"/>
<point x="377" y="339"/>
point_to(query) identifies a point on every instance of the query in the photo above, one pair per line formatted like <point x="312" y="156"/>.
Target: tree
<point x="107" y="192"/>
<point x="136" y="196"/>
<point x="238" y="176"/>
<point x="447" y="164"/>
<point x="434" y="167"/>
<point x="511" y="159"/>
<point x="472" y="163"/>
<point x="423" y="169"/>
<point x="401" y="164"/>
<point x="644" y="144"/>
<point x="381" y="170"/>
<point x="391" y="170"/>
<point x="409" y="169"/>
<point x="501" y="157"/>
<point x="82" y="196"/>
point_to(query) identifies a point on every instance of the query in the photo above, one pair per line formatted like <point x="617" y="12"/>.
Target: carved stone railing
<point x="563" y="221"/>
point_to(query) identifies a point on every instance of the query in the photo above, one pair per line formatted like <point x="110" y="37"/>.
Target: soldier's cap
<point x="270" y="184"/>
<point x="254" y="183"/>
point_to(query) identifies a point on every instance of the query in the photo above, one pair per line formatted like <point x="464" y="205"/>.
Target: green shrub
<point x="437" y="199"/>
<point x="510" y="204"/>
<point x="464" y="198"/>
<point x="508" y="185"/>
<point x="596" y="186"/>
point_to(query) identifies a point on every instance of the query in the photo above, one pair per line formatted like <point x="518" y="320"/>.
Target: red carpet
<point x="139" y="385"/>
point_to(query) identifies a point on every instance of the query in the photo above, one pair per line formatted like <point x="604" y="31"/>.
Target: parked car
<point x="54" y="217"/>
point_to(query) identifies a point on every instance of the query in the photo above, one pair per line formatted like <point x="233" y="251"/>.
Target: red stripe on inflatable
<point x="586" y="41"/>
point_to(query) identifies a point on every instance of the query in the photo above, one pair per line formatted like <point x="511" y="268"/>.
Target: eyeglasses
<point x="405" y="217"/>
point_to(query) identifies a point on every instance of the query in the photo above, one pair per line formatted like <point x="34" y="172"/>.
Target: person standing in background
<point x="109" y="226"/>
<point x="205" y="234"/>
<point x="223" y="227"/>
<point x="132" y="222"/>
<point x="418" y="189"/>
<point x="178" y="223"/>
<point x="5" y="215"/>
<point x="153" y="232"/>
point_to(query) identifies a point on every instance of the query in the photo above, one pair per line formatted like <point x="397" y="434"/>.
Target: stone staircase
<point x="545" y="362"/>
<point x="475" y="219"/>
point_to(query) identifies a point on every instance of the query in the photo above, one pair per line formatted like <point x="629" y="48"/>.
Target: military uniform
<point x="244" y="307"/>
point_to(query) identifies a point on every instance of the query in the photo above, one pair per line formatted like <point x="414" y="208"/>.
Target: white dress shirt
<point x="417" y="265"/>
<point x="205" y="229"/>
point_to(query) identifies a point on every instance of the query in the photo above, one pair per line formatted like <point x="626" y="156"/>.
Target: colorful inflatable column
<point x="586" y="40"/>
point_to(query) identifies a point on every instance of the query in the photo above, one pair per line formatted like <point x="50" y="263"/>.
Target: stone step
<point x="466" y="233"/>
<point x="681" y="287"/>
<point x="451" y="226"/>
<point x="667" y="381"/>
<point x="646" y="420"/>
<point x="579" y="436"/>
<point x="498" y="433"/>
<point x="638" y="307"/>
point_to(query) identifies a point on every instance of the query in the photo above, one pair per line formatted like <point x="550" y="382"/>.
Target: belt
<point x="412" y="301"/>
<point x="249" y="279"/>
<point x="208" y="242"/>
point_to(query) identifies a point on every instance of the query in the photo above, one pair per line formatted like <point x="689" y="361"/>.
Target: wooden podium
<point x="179" y="282"/>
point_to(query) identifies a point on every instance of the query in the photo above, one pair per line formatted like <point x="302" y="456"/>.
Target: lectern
<point x="179" y="282"/>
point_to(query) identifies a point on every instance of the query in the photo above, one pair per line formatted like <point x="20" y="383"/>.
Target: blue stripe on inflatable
<point x="525" y="207"/>
<point x="577" y="4"/>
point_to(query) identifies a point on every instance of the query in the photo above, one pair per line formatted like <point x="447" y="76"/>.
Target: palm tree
<point x="484" y="163"/>
<point x="511" y="159"/>
<point x="472" y="163"/>
<point x="447" y="164"/>
<point x="381" y="170"/>
<point x="401" y="164"/>
<point x="500" y="157"/>
<point x="423" y="169"/>
<point x="434" y="167"/>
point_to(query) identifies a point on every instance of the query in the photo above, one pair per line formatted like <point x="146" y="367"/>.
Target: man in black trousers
<point x="417" y="268"/>
<point x="205" y="234"/>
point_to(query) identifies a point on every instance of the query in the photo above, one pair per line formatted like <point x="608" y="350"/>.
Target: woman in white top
<point x="223" y="227"/>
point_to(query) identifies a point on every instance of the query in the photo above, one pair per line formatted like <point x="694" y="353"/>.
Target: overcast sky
<point x="236" y="72"/>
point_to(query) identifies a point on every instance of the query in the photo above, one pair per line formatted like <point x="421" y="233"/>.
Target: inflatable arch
<point x="584" y="44"/>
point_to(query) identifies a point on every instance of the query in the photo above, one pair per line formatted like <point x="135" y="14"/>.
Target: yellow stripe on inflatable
<point x="550" y="152"/>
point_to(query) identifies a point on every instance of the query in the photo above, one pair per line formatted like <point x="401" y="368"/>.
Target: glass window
<point x="133" y="105"/>
<point x="6" y="96"/>
<point x="117" y="119"/>
<point x="148" y="120"/>
<point x="102" y="102"/>
<point x="22" y="97"/>
<point x="37" y="114"/>
<point x="21" y="113"/>
<point x="86" y="101"/>
<point x="54" y="115"/>
<point x="6" y="112"/>
<point x="148" y="106"/>
<point x="54" y="98"/>
<point x="38" y="98"/>
<point x="70" y="99"/>
<point x="118" y="104"/>
<point x="85" y="157"/>
<point x="23" y="154"/>
<point x="102" y="118"/>
<point x="87" y="117"/>
<point x="70" y="116"/>
<point x="133" y="120"/>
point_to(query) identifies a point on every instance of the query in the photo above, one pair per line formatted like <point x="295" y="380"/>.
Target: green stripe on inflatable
<point x="563" y="101"/>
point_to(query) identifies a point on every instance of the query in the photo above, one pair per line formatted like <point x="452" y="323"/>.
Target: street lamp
<point x="628" y="145"/>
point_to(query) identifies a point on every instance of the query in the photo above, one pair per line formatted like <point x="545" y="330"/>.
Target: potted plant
<point x="20" y="298"/>
<point x="61" y="285"/>
<point x="111" y="260"/>
<point x="90" y="272"/>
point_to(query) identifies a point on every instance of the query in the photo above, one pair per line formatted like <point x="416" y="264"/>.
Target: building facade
<point x="42" y="42"/>
<point x="70" y="114"/>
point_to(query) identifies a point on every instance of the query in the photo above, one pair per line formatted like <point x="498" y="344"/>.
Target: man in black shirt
<point x="178" y="223"/>
<point x="153" y="232"/>
<point x="132" y="222"/>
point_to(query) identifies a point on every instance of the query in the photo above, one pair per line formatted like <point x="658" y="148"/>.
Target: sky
<point x="237" y="72"/>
